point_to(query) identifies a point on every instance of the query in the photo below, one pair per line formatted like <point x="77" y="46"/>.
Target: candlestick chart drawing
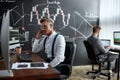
<point x="73" y="23"/>
<point x="58" y="15"/>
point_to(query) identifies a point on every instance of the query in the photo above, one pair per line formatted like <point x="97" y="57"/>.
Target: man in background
<point x="100" y="49"/>
<point x="53" y="44"/>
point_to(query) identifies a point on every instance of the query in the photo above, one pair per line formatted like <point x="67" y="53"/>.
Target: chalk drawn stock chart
<point x="55" y="11"/>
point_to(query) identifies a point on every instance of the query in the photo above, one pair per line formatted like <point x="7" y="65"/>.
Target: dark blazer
<point x="97" y="45"/>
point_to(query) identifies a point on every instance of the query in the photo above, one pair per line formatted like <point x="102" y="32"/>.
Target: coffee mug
<point x="18" y="50"/>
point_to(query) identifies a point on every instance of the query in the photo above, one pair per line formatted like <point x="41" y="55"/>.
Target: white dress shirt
<point x="59" y="48"/>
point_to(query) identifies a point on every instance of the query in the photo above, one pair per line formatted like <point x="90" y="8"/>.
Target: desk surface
<point x="31" y="74"/>
<point x="115" y="50"/>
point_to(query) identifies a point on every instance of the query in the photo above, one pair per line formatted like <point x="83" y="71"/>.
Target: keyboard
<point x="23" y="57"/>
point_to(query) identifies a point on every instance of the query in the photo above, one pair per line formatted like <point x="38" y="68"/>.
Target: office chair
<point x="95" y="59"/>
<point x="66" y="66"/>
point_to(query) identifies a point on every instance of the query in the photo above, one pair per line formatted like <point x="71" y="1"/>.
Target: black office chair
<point x="95" y="58"/>
<point x="66" y="66"/>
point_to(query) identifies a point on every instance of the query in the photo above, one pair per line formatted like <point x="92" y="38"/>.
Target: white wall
<point x="109" y="18"/>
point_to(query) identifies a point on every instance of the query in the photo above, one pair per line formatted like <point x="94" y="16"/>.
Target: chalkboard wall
<point x="73" y="18"/>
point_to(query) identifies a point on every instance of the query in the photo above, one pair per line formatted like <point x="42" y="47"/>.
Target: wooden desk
<point x="117" y="50"/>
<point x="32" y="74"/>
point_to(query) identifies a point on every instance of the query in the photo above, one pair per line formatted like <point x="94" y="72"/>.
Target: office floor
<point x="79" y="73"/>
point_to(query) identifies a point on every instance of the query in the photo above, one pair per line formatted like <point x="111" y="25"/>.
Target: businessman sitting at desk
<point x="99" y="48"/>
<point x="53" y="44"/>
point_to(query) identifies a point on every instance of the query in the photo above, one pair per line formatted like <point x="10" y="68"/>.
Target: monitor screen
<point x="116" y="36"/>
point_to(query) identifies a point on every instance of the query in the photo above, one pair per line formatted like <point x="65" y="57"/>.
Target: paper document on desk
<point x="31" y="65"/>
<point x="113" y="52"/>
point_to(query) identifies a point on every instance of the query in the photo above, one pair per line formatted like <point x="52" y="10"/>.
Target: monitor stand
<point x="6" y="73"/>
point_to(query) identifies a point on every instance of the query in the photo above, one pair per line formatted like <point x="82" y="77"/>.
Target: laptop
<point x="106" y="42"/>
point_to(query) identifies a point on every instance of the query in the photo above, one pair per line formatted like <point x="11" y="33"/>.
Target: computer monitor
<point x="5" y="45"/>
<point x="2" y="24"/>
<point x="116" y="36"/>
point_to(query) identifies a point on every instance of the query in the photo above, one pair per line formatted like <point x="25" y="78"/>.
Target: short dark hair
<point x="96" y="27"/>
<point x="46" y="19"/>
